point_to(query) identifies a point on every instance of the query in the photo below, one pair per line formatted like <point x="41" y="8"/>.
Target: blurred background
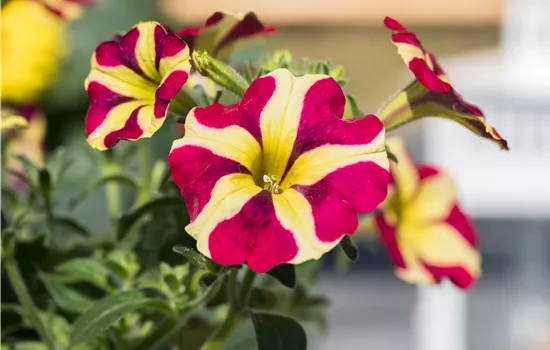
<point x="497" y="52"/>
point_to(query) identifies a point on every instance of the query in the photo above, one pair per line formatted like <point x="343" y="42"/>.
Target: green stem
<point x="112" y="188"/>
<point x="237" y="303"/>
<point x="145" y="162"/>
<point x="246" y="287"/>
<point x="25" y="299"/>
<point x="224" y="332"/>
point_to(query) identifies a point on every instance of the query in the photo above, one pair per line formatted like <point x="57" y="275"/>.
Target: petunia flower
<point x="33" y="45"/>
<point x="432" y="93"/>
<point x="223" y="34"/>
<point x="278" y="177"/>
<point x="427" y="235"/>
<point x="135" y="79"/>
<point x="67" y="9"/>
<point x="28" y="140"/>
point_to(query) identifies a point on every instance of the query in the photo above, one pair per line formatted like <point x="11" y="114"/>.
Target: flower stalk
<point x="26" y="301"/>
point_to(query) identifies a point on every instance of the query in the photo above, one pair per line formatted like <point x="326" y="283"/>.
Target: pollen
<point x="271" y="184"/>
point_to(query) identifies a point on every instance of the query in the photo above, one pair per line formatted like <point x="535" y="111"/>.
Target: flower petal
<point x="432" y="93"/>
<point x="404" y="174"/>
<point x="434" y="198"/>
<point x="416" y="58"/>
<point x="254" y="236"/>
<point x="132" y="82"/>
<point x="223" y="33"/>
<point x="426" y="253"/>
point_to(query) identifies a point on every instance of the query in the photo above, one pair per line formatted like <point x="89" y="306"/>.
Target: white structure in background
<point x="513" y="89"/>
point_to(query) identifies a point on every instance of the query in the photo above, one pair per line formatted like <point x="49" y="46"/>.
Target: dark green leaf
<point x="4" y="223"/>
<point x="349" y="248"/>
<point x="277" y="332"/>
<point x="64" y="296"/>
<point x="103" y="313"/>
<point x="45" y="181"/>
<point x="196" y="258"/>
<point x="85" y="270"/>
<point x="72" y="225"/>
<point x="128" y="219"/>
<point x="285" y="273"/>
<point x="118" y="178"/>
<point x="206" y="281"/>
<point x="391" y="156"/>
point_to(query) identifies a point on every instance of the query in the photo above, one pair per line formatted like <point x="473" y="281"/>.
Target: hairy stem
<point x="26" y="301"/>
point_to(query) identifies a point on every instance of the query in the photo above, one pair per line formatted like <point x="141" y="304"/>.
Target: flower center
<point x="271" y="184"/>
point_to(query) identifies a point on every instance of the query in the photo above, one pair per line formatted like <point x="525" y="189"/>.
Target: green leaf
<point x="45" y="181"/>
<point x="206" y="280"/>
<point x="285" y="273"/>
<point x="247" y="72"/>
<point x="30" y="345"/>
<point x="103" y="313"/>
<point x="196" y="258"/>
<point x="117" y="178"/>
<point x="391" y="156"/>
<point x="72" y="225"/>
<point x="351" y="109"/>
<point x="4" y="222"/>
<point x="349" y="248"/>
<point x="86" y="270"/>
<point x="277" y="332"/>
<point x="64" y="296"/>
<point x="128" y="219"/>
<point x="10" y="196"/>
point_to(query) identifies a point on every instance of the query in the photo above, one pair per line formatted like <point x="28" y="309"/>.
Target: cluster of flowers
<point x="281" y="176"/>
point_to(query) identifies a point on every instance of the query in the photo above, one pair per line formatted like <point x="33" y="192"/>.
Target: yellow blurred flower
<point x="33" y="43"/>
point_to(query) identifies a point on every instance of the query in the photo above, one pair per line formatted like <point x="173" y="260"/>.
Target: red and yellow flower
<point x="223" y="34"/>
<point x="135" y="79"/>
<point x="427" y="235"/>
<point x="66" y="9"/>
<point x="278" y="177"/>
<point x="25" y="131"/>
<point x="432" y="94"/>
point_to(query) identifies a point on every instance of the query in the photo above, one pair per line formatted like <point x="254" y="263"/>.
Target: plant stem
<point x="246" y="287"/>
<point x="145" y="162"/>
<point x="224" y="332"/>
<point x="237" y="304"/>
<point x="113" y="191"/>
<point x="28" y="305"/>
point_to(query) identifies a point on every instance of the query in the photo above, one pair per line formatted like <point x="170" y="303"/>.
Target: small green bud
<point x="219" y="72"/>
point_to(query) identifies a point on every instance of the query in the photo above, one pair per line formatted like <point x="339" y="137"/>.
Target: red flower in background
<point x="223" y="34"/>
<point x="434" y="95"/>
<point x="427" y="235"/>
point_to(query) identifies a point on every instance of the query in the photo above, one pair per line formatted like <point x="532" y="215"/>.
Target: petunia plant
<point x="272" y="166"/>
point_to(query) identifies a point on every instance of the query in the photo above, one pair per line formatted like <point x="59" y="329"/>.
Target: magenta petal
<point x="195" y="170"/>
<point x="254" y="236"/>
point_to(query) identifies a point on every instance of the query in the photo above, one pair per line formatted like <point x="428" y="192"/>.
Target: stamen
<point x="271" y="185"/>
